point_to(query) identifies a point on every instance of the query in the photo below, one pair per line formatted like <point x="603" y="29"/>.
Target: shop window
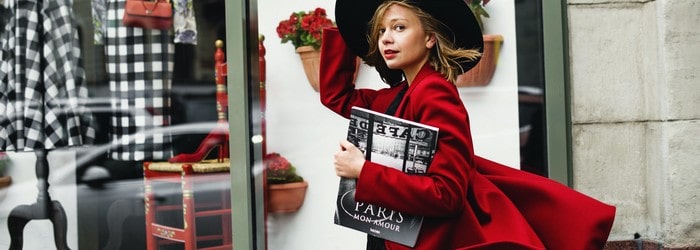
<point x="150" y="95"/>
<point x="531" y="87"/>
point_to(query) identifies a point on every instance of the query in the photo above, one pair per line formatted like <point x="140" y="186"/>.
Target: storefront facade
<point x="543" y="111"/>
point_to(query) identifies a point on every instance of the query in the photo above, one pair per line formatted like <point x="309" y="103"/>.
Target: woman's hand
<point x="349" y="160"/>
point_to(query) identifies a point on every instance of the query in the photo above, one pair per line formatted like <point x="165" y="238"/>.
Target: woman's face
<point x="403" y="42"/>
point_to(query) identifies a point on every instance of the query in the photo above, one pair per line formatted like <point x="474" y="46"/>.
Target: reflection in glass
<point x="528" y="24"/>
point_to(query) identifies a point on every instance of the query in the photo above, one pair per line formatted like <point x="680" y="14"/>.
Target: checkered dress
<point x="139" y="65"/>
<point x="41" y="80"/>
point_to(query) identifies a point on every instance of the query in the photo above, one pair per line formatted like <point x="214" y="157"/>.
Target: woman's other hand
<point x="349" y="160"/>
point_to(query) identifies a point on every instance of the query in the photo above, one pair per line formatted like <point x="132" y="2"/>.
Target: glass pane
<point x="528" y="26"/>
<point x="149" y="97"/>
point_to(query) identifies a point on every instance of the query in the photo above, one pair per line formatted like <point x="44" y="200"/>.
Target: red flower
<point x="320" y="11"/>
<point x="304" y="29"/>
<point x="275" y="162"/>
<point x="279" y="170"/>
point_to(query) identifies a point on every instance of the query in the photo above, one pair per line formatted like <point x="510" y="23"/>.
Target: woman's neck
<point x="411" y="73"/>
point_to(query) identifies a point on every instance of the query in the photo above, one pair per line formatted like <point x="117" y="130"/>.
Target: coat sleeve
<point x="442" y="191"/>
<point x="336" y="74"/>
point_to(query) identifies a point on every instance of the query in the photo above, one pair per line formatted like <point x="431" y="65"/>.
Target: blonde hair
<point x="444" y="56"/>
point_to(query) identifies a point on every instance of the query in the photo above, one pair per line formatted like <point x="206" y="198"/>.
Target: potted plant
<point x="477" y="7"/>
<point x="482" y="73"/>
<point x="303" y="29"/>
<point x="286" y="190"/>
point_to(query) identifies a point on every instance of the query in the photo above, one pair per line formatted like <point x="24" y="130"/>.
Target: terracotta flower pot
<point x="284" y="198"/>
<point x="482" y="73"/>
<point x="5" y="181"/>
<point x="310" y="59"/>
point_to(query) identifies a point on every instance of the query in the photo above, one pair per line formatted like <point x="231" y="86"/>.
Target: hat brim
<point x="353" y="17"/>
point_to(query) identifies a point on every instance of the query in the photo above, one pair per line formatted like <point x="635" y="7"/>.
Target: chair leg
<point x="188" y="233"/>
<point x="226" y="219"/>
<point x="149" y="202"/>
<point x="188" y="208"/>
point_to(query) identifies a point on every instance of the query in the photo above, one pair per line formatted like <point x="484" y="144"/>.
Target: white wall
<point x="307" y="134"/>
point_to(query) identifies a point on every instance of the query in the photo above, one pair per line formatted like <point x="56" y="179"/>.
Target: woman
<point x="419" y="47"/>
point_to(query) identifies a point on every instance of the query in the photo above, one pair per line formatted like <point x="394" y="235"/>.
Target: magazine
<point x="393" y="142"/>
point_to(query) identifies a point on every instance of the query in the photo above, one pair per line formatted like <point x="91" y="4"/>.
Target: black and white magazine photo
<point x="401" y="144"/>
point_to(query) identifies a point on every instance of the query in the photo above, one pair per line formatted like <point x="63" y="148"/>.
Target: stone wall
<point x="635" y="96"/>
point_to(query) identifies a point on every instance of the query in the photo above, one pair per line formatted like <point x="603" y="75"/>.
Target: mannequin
<point x="140" y="85"/>
<point x="41" y="99"/>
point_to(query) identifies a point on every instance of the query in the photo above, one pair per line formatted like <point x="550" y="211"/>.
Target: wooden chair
<point x="193" y="181"/>
<point x="208" y="178"/>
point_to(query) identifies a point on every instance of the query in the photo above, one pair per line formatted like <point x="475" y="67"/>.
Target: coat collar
<point x="424" y="72"/>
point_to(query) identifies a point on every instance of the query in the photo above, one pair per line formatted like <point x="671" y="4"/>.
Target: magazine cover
<point x="394" y="142"/>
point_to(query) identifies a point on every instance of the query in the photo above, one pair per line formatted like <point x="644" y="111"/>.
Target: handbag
<point x="156" y="14"/>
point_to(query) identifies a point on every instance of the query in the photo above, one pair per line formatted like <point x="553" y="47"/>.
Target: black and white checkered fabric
<point x="139" y="65"/>
<point x="42" y="96"/>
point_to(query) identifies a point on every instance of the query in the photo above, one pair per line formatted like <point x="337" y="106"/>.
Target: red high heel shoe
<point x="217" y="138"/>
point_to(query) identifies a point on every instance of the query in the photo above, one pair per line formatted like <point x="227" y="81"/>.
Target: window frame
<point x="557" y="98"/>
<point x="247" y="218"/>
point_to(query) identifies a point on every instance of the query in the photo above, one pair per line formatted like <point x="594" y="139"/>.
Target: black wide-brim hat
<point x="353" y="20"/>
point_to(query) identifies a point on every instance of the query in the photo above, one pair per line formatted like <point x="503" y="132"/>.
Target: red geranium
<point x="304" y="29"/>
<point x="279" y="170"/>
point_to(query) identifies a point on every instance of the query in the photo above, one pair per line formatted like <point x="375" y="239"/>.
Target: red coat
<point x="468" y="202"/>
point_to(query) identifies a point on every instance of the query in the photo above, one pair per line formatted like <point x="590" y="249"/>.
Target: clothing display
<point x="42" y="90"/>
<point x="42" y="100"/>
<point x="184" y="23"/>
<point x="148" y="14"/>
<point x="139" y="66"/>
